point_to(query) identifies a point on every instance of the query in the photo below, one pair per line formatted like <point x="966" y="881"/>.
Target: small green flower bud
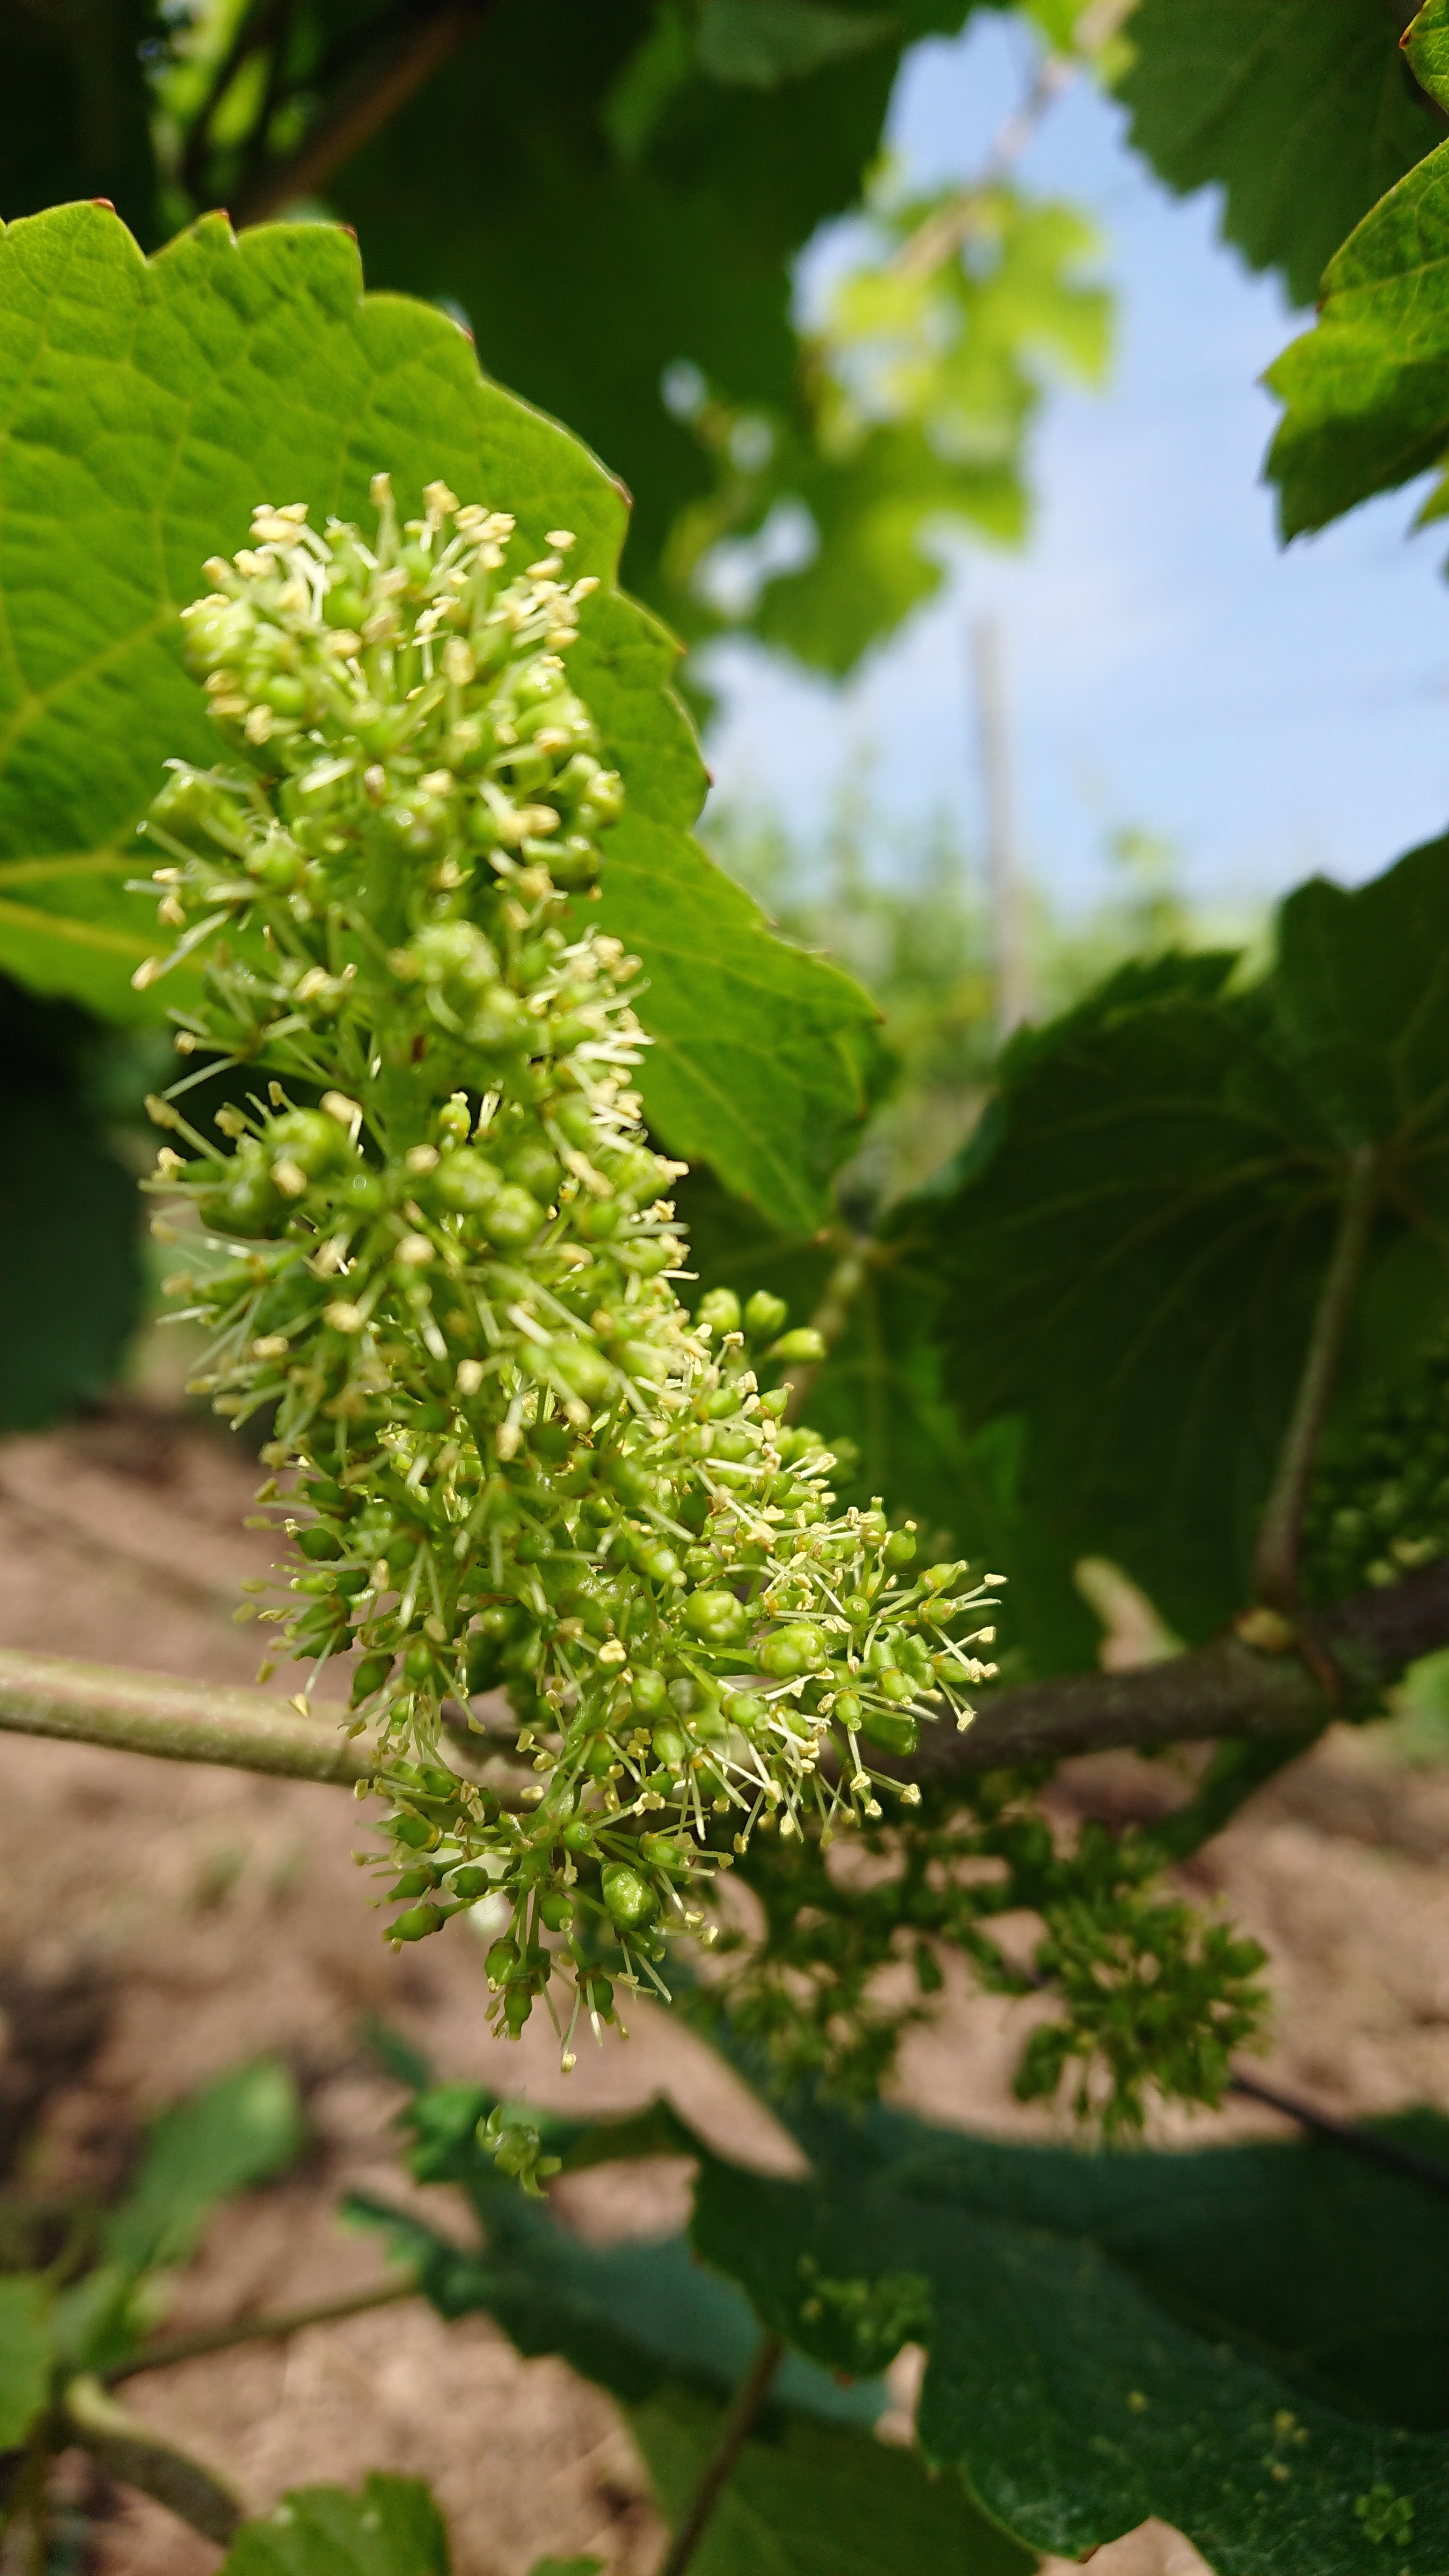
<point x="894" y="1732"/>
<point x="746" y="1709"/>
<point x="804" y="1346"/>
<point x="796" y="1649"/>
<point x="765" y="1316"/>
<point x="630" y="1899"/>
<point x="464" y="1181"/>
<point x="716" y="1618"/>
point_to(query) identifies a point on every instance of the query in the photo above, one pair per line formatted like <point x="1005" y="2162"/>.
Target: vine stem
<point x="750" y="2396"/>
<point x="275" y="2328"/>
<point x="418" y="47"/>
<point x="1275" y="1563"/>
<point x="247" y="1730"/>
<point x="1233" y="1686"/>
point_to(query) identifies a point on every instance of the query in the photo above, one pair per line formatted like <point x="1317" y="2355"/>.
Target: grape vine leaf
<point x="815" y="2500"/>
<point x="1281" y="2302"/>
<point x="760" y="42"/>
<point x="636" y="165"/>
<point x="1139" y="1232"/>
<point x="1365" y="405"/>
<point x="146" y="409"/>
<point x="392" y="2528"/>
<point x="882" y="1388"/>
<point x="814" y="2494"/>
<point x="1303" y="114"/>
<point x="27" y="2354"/>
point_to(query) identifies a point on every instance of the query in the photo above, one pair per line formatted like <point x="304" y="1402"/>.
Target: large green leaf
<point x="813" y="2500"/>
<point x="27" y="2354"/>
<point x="146" y="408"/>
<point x="1246" y="2341"/>
<point x="1366" y="391"/>
<point x="393" y="2528"/>
<point x="1302" y="113"/>
<point x="1141" y="1229"/>
<point x="1241" y="2340"/>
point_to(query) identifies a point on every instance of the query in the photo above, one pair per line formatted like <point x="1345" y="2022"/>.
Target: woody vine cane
<point x="517" y="1460"/>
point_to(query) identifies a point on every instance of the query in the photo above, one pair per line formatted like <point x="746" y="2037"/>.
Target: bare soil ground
<point x="159" y="1923"/>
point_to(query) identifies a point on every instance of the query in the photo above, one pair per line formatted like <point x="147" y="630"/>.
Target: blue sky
<point x="1171" y="668"/>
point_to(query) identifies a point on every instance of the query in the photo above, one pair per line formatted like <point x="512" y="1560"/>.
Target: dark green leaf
<point x="760" y="42"/>
<point x="882" y="1388"/>
<point x="26" y="2354"/>
<point x="1282" y="2303"/>
<point x="817" y="2501"/>
<point x="146" y="409"/>
<point x="70" y="1272"/>
<point x="1365" y="406"/>
<point x="1303" y="113"/>
<point x="1240" y="2340"/>
<point x="519" y="198"/>
<point x="242" y="2130"/>
<point x="76" y="107"/>
<point x="1142" y="1227"/>
<point x="393" y="2528"/>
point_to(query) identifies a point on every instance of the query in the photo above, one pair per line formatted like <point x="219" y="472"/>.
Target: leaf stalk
<point x="750" y="2396"/>
<point x="1275" y="1563"/>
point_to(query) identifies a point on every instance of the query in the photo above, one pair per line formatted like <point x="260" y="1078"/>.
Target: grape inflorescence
<point x="507" y="1455"/>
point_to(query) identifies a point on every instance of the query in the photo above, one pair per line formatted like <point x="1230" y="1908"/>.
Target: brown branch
<point x="167" y="2351"/>
<point x="1388" y="2152"/>
<point x="363" y="106"/>
<point x="1230" y="1687"/>
<point x="1227" y="1688"/>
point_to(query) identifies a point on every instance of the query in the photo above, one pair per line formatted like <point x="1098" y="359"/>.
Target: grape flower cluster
<point x="506" y="1454"/>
